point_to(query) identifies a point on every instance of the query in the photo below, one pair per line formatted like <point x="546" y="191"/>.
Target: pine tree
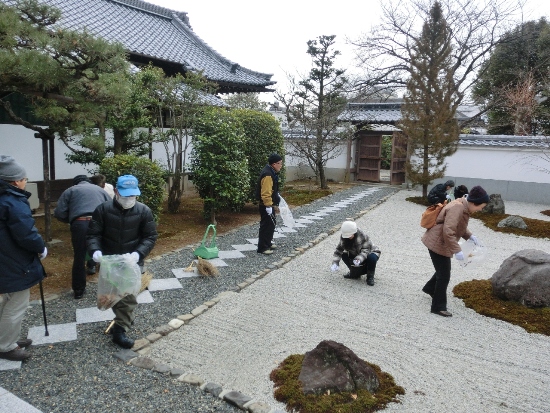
<point x="429" y="109"/>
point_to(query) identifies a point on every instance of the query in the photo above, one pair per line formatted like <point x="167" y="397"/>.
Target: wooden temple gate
<point x="369" y="156"/>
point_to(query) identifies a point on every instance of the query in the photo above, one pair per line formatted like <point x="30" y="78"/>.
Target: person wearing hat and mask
<point x="442" y="243"/>
<point x="267" y="193"/>
<point x="441" y="192"/>
<point x="20" y="255"/>
<point x="123" y="226"/>
<point x="356" y="250"/>
<point x="75" y="207"/>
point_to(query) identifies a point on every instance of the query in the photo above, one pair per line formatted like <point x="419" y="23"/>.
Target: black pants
<point x="78" y="239"/>
<point x="267" y="229"/>
<point x="437" y="285"/>
<point x="369" y="265"/>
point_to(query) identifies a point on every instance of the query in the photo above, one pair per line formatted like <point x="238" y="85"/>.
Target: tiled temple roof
<point x="150" y="32"/>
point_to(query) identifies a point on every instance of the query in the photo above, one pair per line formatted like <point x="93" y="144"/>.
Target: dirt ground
<point x="175" y="230"/>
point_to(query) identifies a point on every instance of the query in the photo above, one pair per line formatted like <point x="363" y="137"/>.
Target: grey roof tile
<point x="155" y="32"/>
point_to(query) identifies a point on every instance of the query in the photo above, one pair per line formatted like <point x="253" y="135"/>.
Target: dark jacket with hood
<point x="438" y="194"/>
<point x="20" y="242"/>
<point x="115" y="230"/>
<point x="267" y="188"/>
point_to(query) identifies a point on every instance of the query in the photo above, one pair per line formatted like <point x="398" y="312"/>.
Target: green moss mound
<point x="536" y="228"/>
<point x="288" y="390"/>
<point x="478" y="295"/>
<point x="420" y="200"/>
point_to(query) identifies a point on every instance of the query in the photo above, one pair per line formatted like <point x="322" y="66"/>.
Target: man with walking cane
<point x="20" y="255"/>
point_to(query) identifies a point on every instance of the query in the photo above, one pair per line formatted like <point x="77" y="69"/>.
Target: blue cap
<point x="127" y="185"/>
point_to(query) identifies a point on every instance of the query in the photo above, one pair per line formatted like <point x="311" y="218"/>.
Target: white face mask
<point x="126" y="202"/>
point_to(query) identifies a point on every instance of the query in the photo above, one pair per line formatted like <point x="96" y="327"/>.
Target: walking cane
<point x="43" y="303"/>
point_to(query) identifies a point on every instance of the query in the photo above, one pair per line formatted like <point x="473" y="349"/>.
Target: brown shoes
<point x="24" y="343"/>
<point x="17" y="354"/>
<point x="443" y="313"/>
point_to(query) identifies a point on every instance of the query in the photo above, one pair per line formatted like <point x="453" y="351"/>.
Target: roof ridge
<point x="154" y="9"/>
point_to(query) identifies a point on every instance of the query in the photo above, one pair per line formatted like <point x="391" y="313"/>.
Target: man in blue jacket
<point x="20" y="254"/>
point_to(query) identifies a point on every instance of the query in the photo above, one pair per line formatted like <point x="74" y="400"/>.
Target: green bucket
<point x="208" y="252"/>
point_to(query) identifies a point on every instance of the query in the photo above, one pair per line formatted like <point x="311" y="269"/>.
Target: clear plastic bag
<point x="473" y="254"/>
<point x="119" y="276"/>
<point x="286" y="215"/>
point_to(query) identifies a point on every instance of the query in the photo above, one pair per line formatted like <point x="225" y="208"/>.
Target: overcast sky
<point x="271" y="37"/>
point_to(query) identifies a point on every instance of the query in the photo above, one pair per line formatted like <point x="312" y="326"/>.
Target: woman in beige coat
<point x="442" y="242"/>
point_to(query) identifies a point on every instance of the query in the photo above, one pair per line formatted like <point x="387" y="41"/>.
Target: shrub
<point x="218" y="162"/>
<point x="263" y="137"/>
<point x="149" y="174"/>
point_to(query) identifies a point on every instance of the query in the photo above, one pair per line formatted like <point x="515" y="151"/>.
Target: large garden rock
<point x="495" y="205"/>
<point x="524" y="277"/>
<point x="513" y="221"/>
<point x="332" y="366"/>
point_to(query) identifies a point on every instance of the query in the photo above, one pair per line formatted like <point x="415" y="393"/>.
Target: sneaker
<point x="17" y="354"/>
<point x="266" y="252"/>
<point x="24" y="343"/>
<point x="273" y="247"/>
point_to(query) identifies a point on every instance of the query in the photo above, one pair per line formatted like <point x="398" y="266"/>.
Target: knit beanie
<point x="274" y="158"/>
<point x="11" y="171"/>
<point x="348" y="229"/>
<point x="79" y="178"/>
<point x="478" y="195"/>
<point x="450" y="183"/>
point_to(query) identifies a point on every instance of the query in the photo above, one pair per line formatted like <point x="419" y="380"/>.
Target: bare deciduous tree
<point x="475" y="28"/>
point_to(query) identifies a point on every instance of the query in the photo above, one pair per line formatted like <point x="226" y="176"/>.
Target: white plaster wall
<point x="503" y="164"/>
<point x="20" y="143"/>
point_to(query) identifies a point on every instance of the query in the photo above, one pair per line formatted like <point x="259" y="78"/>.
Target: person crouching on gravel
<point x="356" y="250"/>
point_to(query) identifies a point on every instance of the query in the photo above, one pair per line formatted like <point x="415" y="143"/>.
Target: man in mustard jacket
<point x="267" y="192"/>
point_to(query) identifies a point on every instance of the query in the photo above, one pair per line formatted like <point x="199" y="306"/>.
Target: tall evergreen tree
<point x="429" y="110"/>
<point x="515" y="81"/>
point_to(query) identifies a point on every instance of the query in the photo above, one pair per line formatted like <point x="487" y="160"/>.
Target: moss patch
<point x="420" y="200"/>
<point x="288" y="390"/>
<point x="536" y="228"/>
<point x="478" y="295"/>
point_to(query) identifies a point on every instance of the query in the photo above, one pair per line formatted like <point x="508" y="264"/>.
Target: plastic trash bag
<point x="119" y="276"/>
<point x="286" y="215"/>
<point x="473" y="254"/>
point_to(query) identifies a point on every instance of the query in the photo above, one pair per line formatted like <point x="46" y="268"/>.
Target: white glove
<point x="448" y="197"/>
<point x="356" y="261"/>
<point x="334" y="267"/>
<point x="459" y="256"/>
<point x="97" y="256"/>
<point x="43" y="254"/>
<point x="135" y="256"/>
<point x="475" y="240"/>
<point x="269" y="210"/>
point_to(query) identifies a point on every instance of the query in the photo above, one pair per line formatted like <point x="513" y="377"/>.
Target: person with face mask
<point x="123" y="226"/>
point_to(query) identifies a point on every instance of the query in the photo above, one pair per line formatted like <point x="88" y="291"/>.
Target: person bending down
<point x="356" y="249"/>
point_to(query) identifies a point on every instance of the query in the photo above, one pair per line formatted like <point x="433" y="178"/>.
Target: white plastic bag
<point x="286" y="215"/>
<point x="119" y="276"/>
<point x="473" y="254"/>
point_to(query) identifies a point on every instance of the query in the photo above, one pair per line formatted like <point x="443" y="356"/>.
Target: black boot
<point x="120" y="337"/>
<point x="370" y="277"/>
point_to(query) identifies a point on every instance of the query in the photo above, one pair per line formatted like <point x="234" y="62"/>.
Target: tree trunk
<point x="118" y="137"/>
<point x="174" y="195"/>
<point x="322" y="176"/>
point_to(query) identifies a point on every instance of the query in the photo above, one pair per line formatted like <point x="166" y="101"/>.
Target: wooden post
<point x="46" y="173"/>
